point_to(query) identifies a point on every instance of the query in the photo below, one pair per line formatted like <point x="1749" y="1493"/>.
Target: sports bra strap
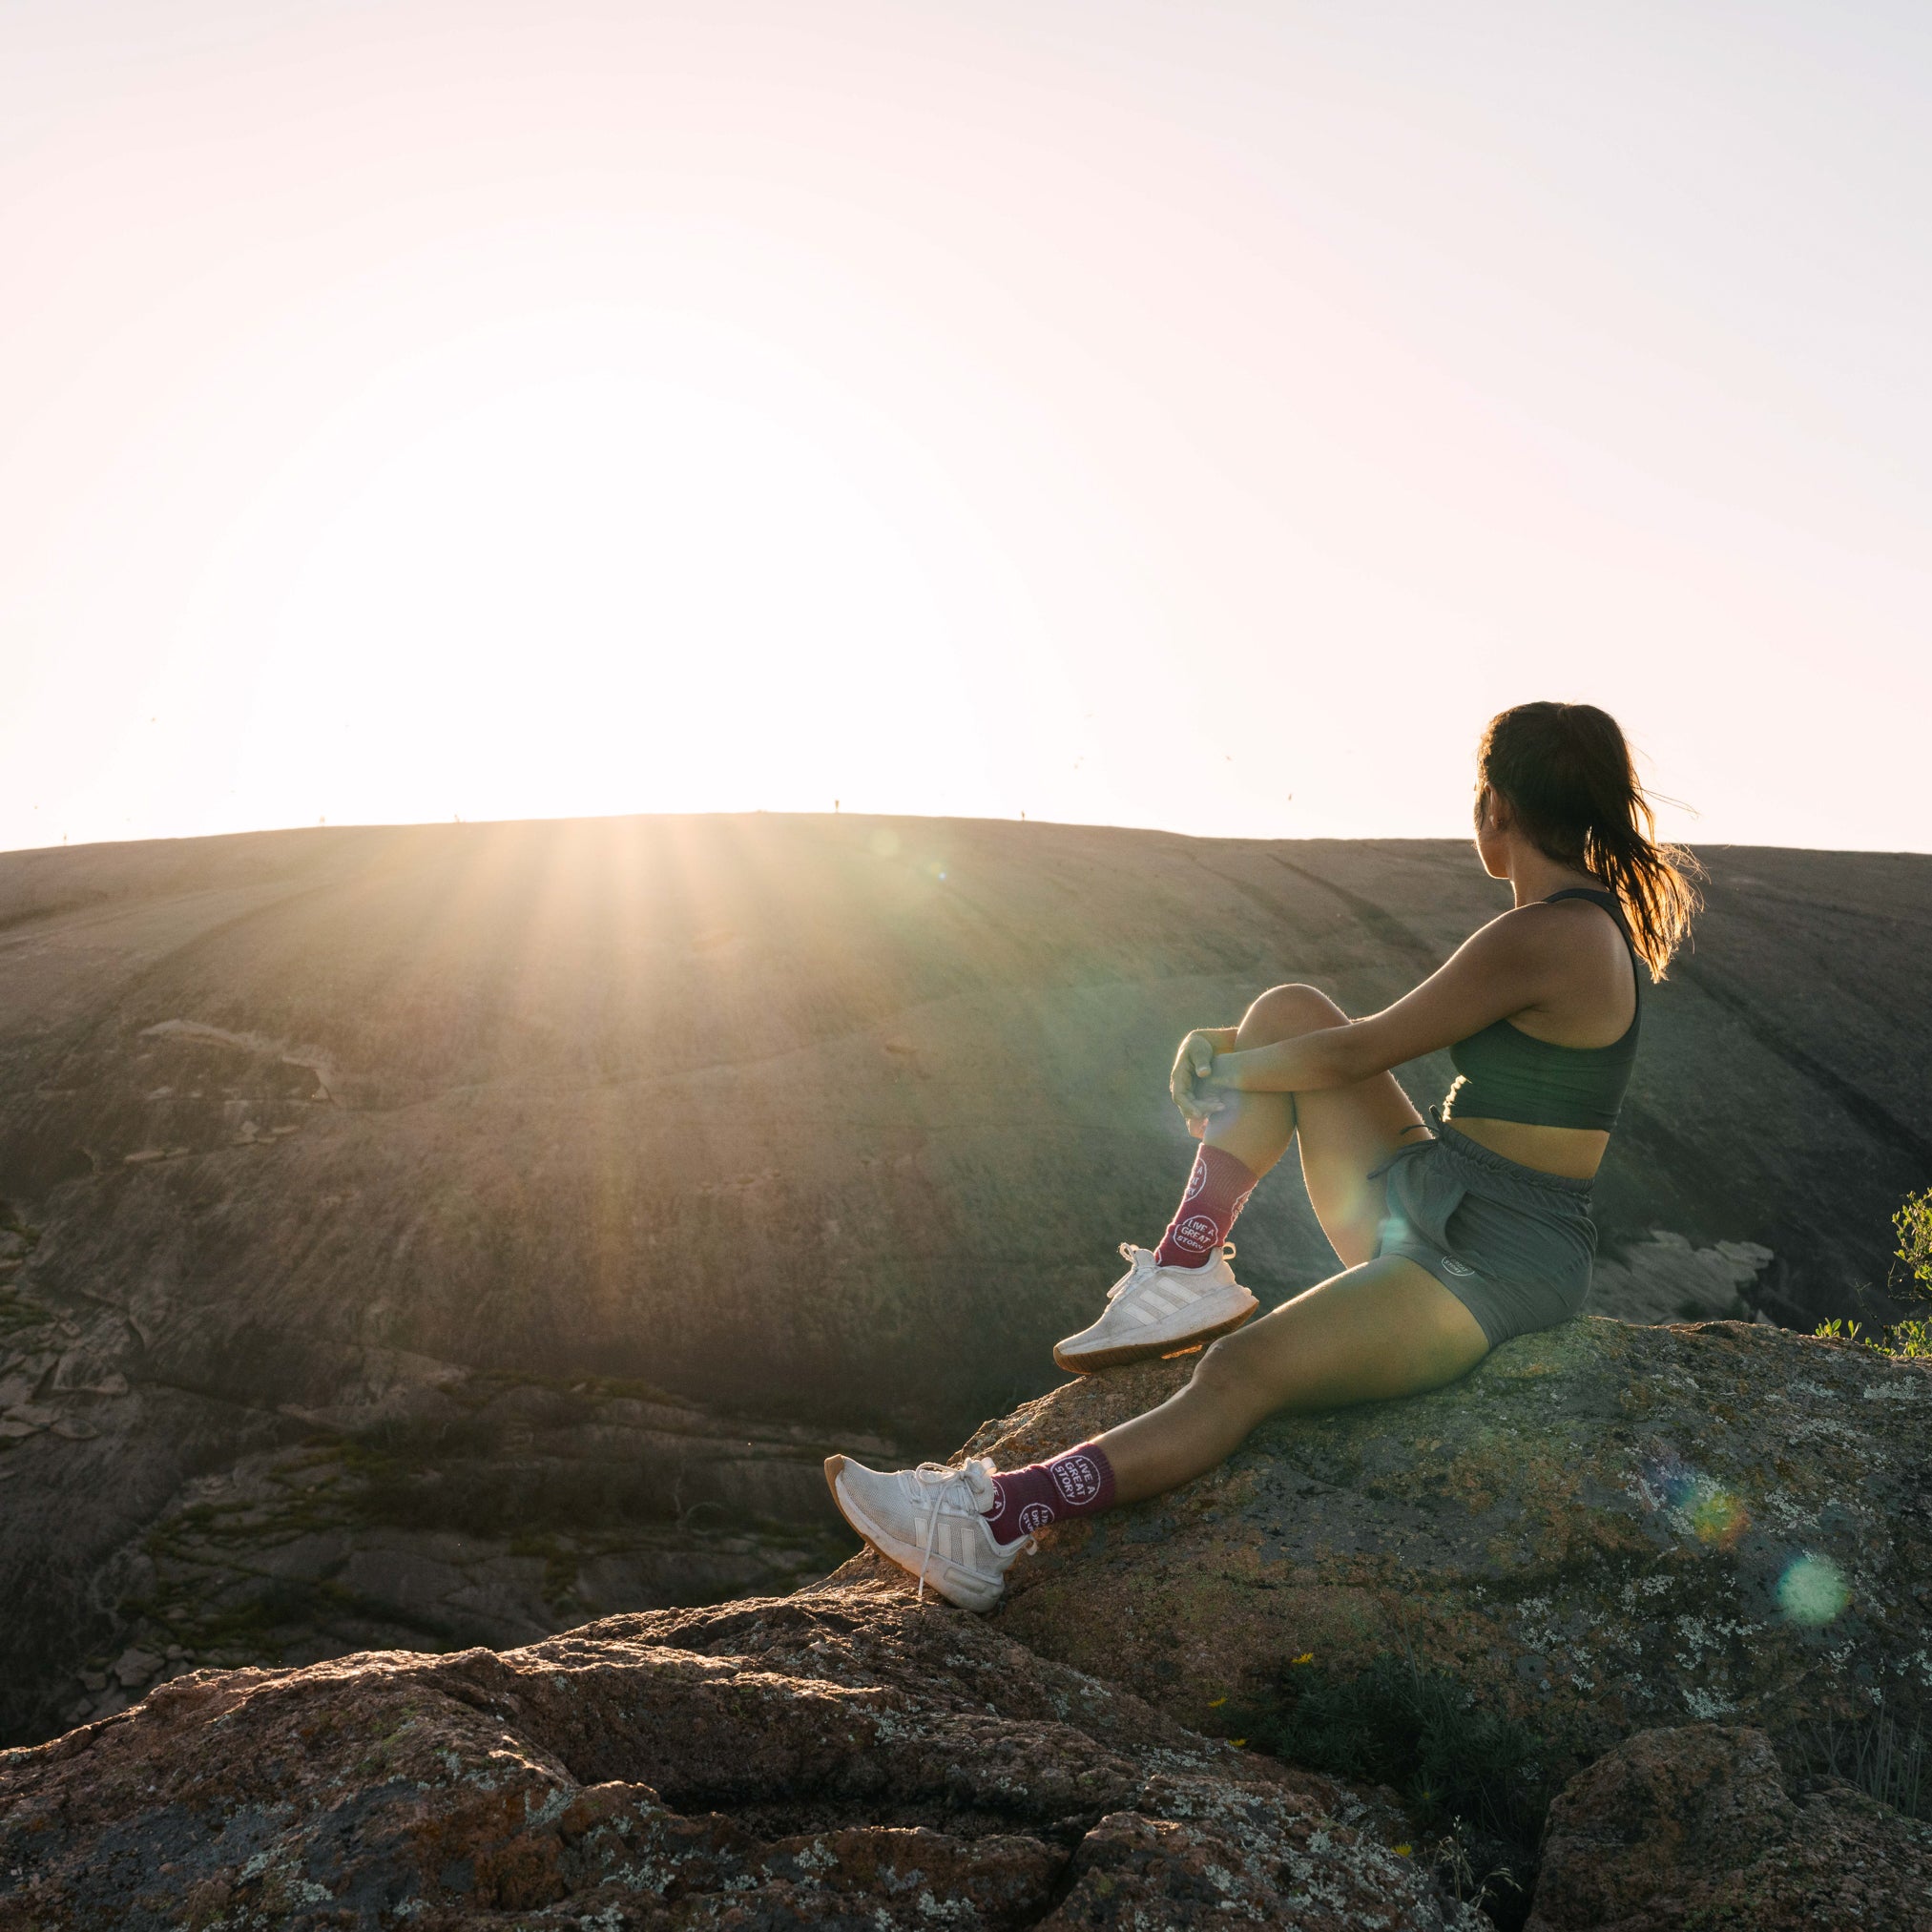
<point x="1612" y="905"/>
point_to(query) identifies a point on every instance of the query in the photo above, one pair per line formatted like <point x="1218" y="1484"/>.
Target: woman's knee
<point x="1232" y="1373"/>
<point x="1285" y="1012"/>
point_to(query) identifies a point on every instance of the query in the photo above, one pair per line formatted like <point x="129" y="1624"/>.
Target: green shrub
<point x="1912" y="1335"/>
<point x="1913" y="1226"/>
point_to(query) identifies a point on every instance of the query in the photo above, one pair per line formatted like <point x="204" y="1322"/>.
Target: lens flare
<point x="1716" y="1516"/>
<point x="1813" y="1590"/>
<point x="1704" y="1507"/>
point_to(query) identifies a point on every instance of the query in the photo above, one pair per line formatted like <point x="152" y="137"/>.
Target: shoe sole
<point x="857" y="1518"/>
<point x="1138" y="1351"/>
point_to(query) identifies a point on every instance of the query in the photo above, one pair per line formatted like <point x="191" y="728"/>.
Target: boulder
<point x="1603" y="1528"/>
<point x="135" y="1666"/>
<point x="1697" y="1826"/>
<point x="838" y="1760"/>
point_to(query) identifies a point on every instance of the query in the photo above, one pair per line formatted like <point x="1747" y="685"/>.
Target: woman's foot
<point x="931" y="1521"/>
<point x="1152" y="1310"/>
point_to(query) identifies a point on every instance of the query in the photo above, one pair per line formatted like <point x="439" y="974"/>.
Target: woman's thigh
<point x="1343" y="1134"/>
<point x="1342" y="1131"/>
<point x="1387" y="1328"/>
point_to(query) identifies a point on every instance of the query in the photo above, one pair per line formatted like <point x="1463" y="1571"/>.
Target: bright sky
<point x="1196" y="415"/>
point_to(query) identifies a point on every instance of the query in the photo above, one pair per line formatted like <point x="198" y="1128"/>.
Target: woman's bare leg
<point x="1382" y="1328"/>
<point x="1343" y="1130"/>
<point x="1387" y="1328"/>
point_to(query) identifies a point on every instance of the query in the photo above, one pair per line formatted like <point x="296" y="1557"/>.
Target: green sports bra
<point x="1505" y="1075"/>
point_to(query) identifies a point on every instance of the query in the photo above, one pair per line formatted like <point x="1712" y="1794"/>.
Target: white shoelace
<point x="955" y="1489"/>
<point x="1136" y="1273"/>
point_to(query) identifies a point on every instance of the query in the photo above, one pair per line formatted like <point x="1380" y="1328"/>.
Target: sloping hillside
<point x="411" y="1173"/>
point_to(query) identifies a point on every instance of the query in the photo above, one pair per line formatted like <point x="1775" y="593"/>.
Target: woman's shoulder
<point x="1568" y="928"/>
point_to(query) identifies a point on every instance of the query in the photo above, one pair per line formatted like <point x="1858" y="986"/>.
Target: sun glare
<point x="584" y="581"/>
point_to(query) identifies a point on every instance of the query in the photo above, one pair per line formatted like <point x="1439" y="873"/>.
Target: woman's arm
<point x="1509" y="965"/>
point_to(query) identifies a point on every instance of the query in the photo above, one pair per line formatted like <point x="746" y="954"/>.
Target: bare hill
<point x="551" y="1150"/>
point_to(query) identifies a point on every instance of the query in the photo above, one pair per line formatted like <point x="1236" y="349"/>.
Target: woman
<point x="1450" y="1242"/>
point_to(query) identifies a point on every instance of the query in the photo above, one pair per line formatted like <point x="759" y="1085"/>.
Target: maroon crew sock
<point x="1077" y="1483"/>
<point x="1217" y="1191"/>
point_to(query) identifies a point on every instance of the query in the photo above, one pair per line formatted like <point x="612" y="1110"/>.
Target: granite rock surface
<point x="1603" y="1528"/>
<point x="1699" y="1826"/>
<point x="842" y="1759"/>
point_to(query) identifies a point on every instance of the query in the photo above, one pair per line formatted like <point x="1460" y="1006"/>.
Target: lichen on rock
<point x="1602" y="1529"/>
<point x="1698" y="1827"/>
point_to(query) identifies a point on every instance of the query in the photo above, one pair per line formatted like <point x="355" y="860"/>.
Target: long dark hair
<point x="1567" y="769"/>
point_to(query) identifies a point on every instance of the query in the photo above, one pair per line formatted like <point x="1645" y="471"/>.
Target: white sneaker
<point x="1152" y="1310"/>
<point x="931" y="1521"/>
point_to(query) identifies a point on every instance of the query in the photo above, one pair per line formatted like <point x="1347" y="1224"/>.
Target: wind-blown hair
<point x="1567" y="769"/>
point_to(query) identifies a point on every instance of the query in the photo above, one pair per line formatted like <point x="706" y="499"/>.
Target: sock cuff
<point x="1099" y="1484"/>
<point x="1233" y="1167"/>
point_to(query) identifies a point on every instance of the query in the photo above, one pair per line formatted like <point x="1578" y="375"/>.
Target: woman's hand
<point x="1192" y="1061"/>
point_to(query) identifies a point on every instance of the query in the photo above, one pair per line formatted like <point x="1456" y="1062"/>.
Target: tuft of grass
<point x="1471" y="1777"/>
<point x="1882" y="1756"/>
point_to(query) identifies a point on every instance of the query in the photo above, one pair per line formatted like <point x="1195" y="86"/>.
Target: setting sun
<point x="604" y="568"/>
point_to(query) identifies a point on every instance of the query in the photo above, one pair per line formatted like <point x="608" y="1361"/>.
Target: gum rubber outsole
<point x="1139" y="1351"/>
<point x="833" y="1465"/>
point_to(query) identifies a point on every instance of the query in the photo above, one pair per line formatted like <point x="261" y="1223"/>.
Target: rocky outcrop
<point x="838" y="1760"/>
<point x="313" y="1144"/>
<point x="1671" y="1558"/>
<point x="1603" y="1530"/>
<point x="1699" y="1826"/>
<point x="464" y="1510"/>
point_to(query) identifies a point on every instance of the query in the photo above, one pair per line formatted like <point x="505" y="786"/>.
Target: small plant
<point x="1913" y="1225"/>
<point x="1912" y="1337"/>
<point x="1880" y="1756"/>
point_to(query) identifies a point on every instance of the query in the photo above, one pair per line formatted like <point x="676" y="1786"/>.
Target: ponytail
<point x="1567" y="769"/>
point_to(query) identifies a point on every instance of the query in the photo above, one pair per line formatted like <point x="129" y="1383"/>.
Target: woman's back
<point x="1544" y="1087"/>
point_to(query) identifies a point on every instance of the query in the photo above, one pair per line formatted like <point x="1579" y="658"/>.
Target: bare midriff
<point x="1575" y="1153"/>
